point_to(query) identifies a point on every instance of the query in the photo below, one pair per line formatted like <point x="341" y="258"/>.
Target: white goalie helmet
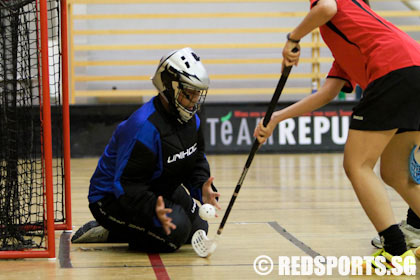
<point x="182" y="71"/>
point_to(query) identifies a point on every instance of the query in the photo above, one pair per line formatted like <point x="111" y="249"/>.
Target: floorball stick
<point x="204" y="246"/>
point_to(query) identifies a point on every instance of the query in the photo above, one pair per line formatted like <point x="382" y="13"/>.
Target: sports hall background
<point x="115" y="47"/>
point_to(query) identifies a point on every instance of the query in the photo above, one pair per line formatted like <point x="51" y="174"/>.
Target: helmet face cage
<point x="183" y="81"/>
<point x="192" y="97"/>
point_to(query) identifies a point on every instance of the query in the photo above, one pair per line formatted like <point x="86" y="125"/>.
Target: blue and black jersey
<point x="151" y="154"/>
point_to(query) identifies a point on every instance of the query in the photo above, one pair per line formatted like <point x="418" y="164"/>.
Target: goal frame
<point x="51" y="226"/>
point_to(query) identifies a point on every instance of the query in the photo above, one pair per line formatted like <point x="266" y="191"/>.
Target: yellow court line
<point x="189" y="15"/>
<point x="116" y="93"/>
<point x="194" y="46"/>
<point x="264" y="76"/>
<point x="173" y="46"/>
<point x="205" y="61"/>
<point x="264" y="60"/>
<point x="221" y="91"/>
<point x="398" y="13"/>
<point x="181" y="31"/>
<point x="223" y="15"/>
<point x="409" y="27"/>
<point x="79" y="78"/>
<point x="111" y="78"/>
<point x="115" y="62"/>
<point x="251" y="91"/>
<point x="201" y="31"/>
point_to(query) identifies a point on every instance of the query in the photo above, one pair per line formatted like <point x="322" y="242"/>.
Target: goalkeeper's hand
<point x="209" y="196"/>
<point x="161" y="212"/>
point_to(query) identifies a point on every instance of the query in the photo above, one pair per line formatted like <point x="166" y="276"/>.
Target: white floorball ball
<point x="207" y="212"/>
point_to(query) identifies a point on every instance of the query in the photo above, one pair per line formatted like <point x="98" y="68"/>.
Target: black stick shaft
<point x="255" y="146"/>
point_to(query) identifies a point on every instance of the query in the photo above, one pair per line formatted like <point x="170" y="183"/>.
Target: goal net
<point x="34" y="127"/>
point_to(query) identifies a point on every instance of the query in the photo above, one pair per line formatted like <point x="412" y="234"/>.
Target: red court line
<point x="158" y="267"/>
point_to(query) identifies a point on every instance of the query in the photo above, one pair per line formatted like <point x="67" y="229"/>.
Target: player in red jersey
<point x="385" y="124"/>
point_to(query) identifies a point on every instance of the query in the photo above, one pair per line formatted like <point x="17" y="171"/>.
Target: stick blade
<point x="203" y="246"/>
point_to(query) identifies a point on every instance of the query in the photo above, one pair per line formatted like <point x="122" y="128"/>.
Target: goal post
<point x="35" y="197"/>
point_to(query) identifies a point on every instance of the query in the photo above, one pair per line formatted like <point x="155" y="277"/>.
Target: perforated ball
<point x="207" y="211"/>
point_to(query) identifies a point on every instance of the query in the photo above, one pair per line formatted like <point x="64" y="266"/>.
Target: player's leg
<point x="156" y="240"/>
<point x="94" y="232"/>
<point x="181" y="197"/>
<point x="395" y="172"/>
<point x="140" y="234"/>
<point x="362" y="151"/>
<point x="394" y="167"/>
<point x="389" y="102"/>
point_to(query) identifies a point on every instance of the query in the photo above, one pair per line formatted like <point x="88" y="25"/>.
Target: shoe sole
<point x="91" y="232"/>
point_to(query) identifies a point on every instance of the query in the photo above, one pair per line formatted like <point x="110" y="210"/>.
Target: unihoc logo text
<point x="183" y="154"/>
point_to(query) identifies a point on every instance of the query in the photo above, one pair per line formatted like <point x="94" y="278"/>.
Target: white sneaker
<point x="411" y="234"/>
<point x="90" y="232"/>
<point x="377" y="242"/>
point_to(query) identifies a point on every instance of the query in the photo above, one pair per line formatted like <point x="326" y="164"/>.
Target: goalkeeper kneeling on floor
<point x="144" y="187"/>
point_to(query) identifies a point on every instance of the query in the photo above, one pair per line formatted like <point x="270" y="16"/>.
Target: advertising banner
<point x="229" y="128"/>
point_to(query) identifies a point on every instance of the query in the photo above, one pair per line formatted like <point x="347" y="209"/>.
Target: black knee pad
<point x="156" y="240"/>
<point x="179" y="235"/>
<point x="182" y="198"/>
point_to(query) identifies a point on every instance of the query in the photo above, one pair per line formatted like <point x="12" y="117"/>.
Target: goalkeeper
<point x="137" y="193"/>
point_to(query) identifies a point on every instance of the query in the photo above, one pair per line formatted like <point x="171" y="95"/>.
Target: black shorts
<point x="392" y="101"/>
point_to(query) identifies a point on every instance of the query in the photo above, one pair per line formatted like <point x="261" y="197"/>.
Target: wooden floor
<point x="289" y="205"/>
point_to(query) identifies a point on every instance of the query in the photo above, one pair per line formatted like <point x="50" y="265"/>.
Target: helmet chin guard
<point x="183" y="81"/>
<point x="192" y="96"/>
